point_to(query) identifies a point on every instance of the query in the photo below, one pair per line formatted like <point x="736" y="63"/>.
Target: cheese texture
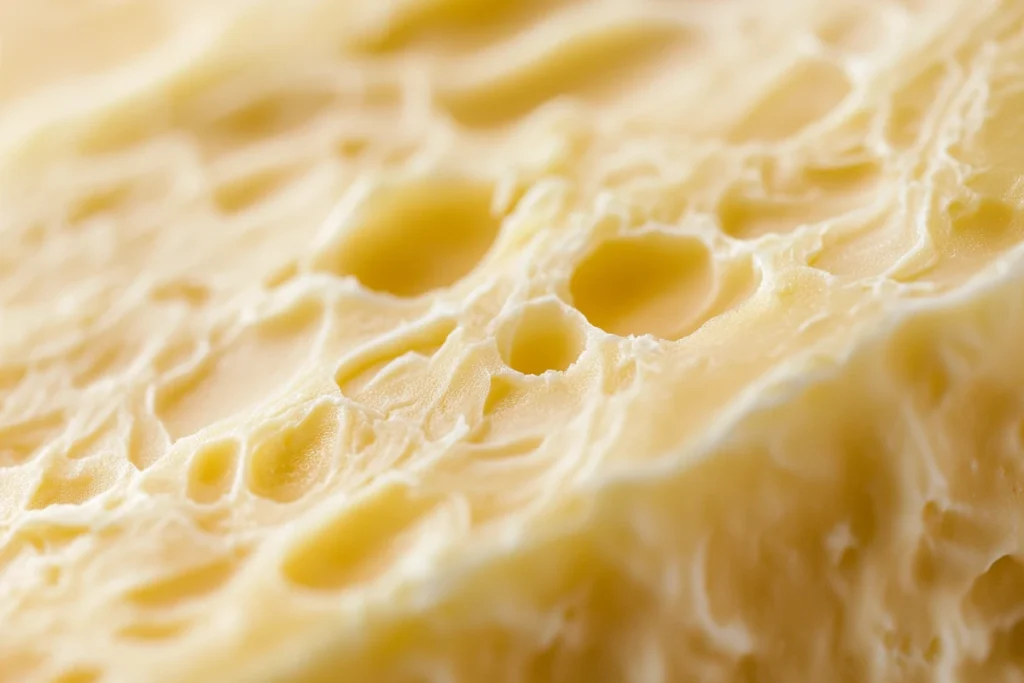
<point x="518" y="341"/>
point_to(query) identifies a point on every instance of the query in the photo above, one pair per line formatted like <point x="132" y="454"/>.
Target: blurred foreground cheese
<point x="518" y="341"/>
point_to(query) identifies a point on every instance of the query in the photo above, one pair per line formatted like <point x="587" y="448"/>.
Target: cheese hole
<point x="350" y="147"/>
<point x="181" y="290"/>
<point x="52" y="575"/>
<point x="480" y="451"/>
<point x="238" y="194"/>
<point x="917" y="361"/>
<point x="80" y="674"/>
<point x="191" y="584"/>
<point x="281" y="275"/>
<point x="150" y="631"/>
<point x="1014" y="645"/>
<point x="504" y="393"/>
<point x="362" y="541"/>
<point x="71" y="483"/>
<point x="267" y="116"/>
<point x="540" y="338"/>
<point x="211" y="471"/>
<point x="447" y="25"/>
<point x="998" y="593"/>
<point x="653" y="283"/>
<point x="746" y="217"/>
<point x="11" y="377"/>
<point x="108" y="200"/>
<point x="287" y="463"/>
<point x="985" y="225"/>
<point x="416" y="237"/>
<point x="48" y="538"/>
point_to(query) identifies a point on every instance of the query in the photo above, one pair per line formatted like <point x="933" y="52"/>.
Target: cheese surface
<point x="522" y="341"/>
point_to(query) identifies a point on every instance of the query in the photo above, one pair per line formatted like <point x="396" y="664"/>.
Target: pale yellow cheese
<point x="511" y="341"/>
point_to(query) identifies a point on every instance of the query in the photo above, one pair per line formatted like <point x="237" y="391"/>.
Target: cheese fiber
<point x="511" y="341"/>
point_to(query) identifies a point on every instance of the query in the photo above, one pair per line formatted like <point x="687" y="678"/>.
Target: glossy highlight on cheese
<point x="525" y="341"/>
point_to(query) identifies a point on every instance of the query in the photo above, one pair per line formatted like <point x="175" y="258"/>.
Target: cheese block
<point x="519" y="341"/>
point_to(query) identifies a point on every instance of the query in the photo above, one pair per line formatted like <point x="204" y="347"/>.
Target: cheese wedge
<point x="519" y="341"/>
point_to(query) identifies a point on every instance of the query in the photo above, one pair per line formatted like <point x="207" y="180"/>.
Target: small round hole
<point x="540" y="338"/>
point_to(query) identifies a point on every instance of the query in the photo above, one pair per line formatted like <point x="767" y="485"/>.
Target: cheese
<point x="511" y="340"/>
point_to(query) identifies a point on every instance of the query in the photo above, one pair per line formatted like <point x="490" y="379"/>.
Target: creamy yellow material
<point x="511" y="341"/>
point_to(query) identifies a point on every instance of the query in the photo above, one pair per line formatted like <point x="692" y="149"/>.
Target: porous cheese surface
<point x="511" y="341"/>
